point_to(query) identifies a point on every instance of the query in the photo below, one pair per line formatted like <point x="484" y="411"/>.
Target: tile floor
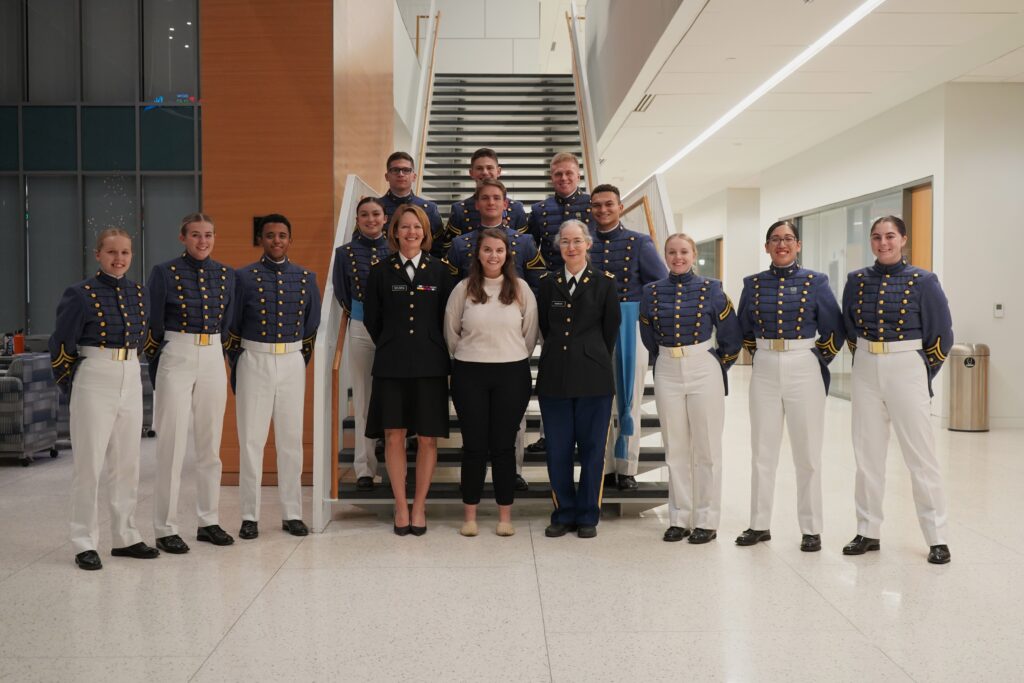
<point x="358" y="603"/>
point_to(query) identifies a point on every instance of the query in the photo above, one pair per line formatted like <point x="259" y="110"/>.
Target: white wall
<point x="734" y="215"/>
<point x="406" y="80"/>
<point x="489" y="36"/>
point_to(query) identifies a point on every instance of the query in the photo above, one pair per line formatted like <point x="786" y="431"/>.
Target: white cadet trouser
<point x="786" y="386"/>
<point x="893" y="388"/>
<point x="190" y="383"/>
<point x="270" y="386"/>
<point x="630" y="464"/>
<point x="690" y="395"/>
<point x="106" y="428"/>
<point x="360" y="358"/>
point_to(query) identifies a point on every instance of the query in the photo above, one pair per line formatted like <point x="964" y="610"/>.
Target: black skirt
<point x="416" y="404"/>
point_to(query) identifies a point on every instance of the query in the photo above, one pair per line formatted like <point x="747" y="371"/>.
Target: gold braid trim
<point x="64" y="358"/>
<point x="727" y="310"/>
<point x="936" y="349"/>
<point x="828" y="346"/>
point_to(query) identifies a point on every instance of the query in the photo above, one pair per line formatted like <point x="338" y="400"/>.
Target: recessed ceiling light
<point x="782" y="74"/>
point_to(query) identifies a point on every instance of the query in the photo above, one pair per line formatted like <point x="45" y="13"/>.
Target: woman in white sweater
<point x="490" y="325"/>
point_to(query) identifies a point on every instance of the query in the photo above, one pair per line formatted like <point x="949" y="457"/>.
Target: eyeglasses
<point x="400" y="170"/>
<point x="578" y="242"/>
<point x="788" y="239"/>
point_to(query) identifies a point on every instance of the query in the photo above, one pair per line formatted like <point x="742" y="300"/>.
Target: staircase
<point x="526" y="119"/>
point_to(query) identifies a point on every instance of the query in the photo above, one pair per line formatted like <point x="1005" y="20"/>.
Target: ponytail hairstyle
<point x="475" y="280"/>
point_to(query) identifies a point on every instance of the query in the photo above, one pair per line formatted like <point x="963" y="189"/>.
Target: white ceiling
<point x="903" y="48"/>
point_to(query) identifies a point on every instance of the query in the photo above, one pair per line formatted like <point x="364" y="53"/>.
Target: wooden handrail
<point x="581" y="113"/>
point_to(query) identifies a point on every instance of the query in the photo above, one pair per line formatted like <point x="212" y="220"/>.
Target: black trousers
<point x="490" y="399"/>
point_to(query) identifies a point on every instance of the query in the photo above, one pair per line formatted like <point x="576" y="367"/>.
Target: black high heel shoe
<point x="403" y="530"/>
<point x="417" y="530"/>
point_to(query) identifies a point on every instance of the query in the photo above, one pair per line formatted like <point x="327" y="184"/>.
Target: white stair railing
<point x="425" y="94"/>
<point x="648" y="210"/>
<point x="584" y="110"/>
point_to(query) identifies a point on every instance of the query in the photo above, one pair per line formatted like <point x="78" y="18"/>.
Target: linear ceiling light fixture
<point x="782" y="74"/>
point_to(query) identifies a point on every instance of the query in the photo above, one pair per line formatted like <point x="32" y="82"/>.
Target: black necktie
<point x="572" y="285"/>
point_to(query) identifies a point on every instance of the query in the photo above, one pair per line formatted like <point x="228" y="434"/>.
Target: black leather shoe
<point x="172" y="544"/>
<point x="378" y="448"/>
<point x="214" y="534"/>
<point x="860" y="545"/>
<point x="555" y="529"/>
<point x="674" y="534"/>
<point x="627" y="482"/>
<point x="417" y="530"/>
<point x="703" y="536"/>
<point x="139" y="551"/>
<point x="611" y="480"/>
<point x="811" y="543"/>
<point x="249" y="530"/>
<point x="537" y="446"/>
<point x="402" y="530"/>
<point x="586" y="531"/>
<point x="753" y="537"/>
<point x="88" y="560"/>
<point x="939" y="554"/>
<point x="296" y="527"/>
<point x="521" y="484"/>
<point x="364" y="484"/>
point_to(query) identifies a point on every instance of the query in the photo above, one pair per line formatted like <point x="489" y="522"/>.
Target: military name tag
<point x="399" y="288"/>
<point x="558" y="304"/>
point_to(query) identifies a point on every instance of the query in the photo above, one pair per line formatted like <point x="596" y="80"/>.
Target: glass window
<point x="109" y="202"/>
<point x="108" y="138"/>
<point x="165" y="201"/>
<point x="168" y="139"/>
<point x="8" y="138"/>
<point x="12" y="257"/>
<point x="11" y="66"/>
<point x="110" y="50"/>
<point x="170" y="49"/>
<point x="50" y="138"/>
<point x="707" y="258"/>
<point x="54" y="245"/>
<point x="52" y="51"/>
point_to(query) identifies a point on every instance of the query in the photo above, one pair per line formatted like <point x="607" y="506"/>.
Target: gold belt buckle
<point x="677" y="352"/>
<point x="120" y="354"/>
<point x="280" y="348"/>
<point x="778" y="344"/>
<point x="202" y="339"/>
<point x="877" y="347"/>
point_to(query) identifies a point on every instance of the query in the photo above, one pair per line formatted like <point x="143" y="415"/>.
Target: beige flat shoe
<point x="469" y="529"/>
<point x="505" y="529"/>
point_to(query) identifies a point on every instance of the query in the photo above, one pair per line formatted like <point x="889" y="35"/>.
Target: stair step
<point x="506" y="178"/>
<point x="486" y="133"/>
<point x="508" y="76"/>
<point x="571" y="126"/>
<point x="453" y="456"/>
<point x="442" y="99"/>
<point x="509" y="91"/>
<point x="522" y="109"/>
<point x="448" y="492"/>
<point x="532" y="422"/>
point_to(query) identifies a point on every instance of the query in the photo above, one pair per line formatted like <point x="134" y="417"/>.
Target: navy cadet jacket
<point x="579" y="331"/>
<point x="405" y="318"/>
<point x="465" y="218"/>
<point x="102" y="311"/>
<point x="529" y="263"/>
<point x="546" y="218"/>
<point x="352" y="263"/>
<point x="391" y="202"/>
<point x="630" y="257"/>
<point x="682" y="310"/>
<point x="275" y="303"/>
<point x="895" y="303"/>
<point x="792" y="303"/>
<point x="190" y="296"/>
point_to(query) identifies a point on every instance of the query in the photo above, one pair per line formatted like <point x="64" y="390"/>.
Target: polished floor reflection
<point x="358" y="603"/>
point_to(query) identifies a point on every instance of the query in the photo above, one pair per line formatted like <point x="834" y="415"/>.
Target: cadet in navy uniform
<point x="546" y="218"/>
<point x="792" y="325"/>
<point x="633" y="260"/>
<point x="897" y="324"/>
<point x="277" y="312"/>
<point x="192" y="297"/>
<point x="404" y="314"/>
<point x="352" y="263"/>
<point x="100" y="327"/>
<point x="677" y="317"/>
<point x="465" y="216"/>
<point x="401" y="177"/>
<point x="578" y="313"/>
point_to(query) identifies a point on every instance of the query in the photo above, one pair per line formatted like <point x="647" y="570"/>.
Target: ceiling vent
<point x="644" y="104"/>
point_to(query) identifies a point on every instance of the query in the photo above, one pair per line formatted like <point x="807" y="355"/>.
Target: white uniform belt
<point x="690" y="350"/>
<point x="194" y="339"/>
<point x="108" y="353"/>
<point x="280" y="347"/>
<point x="889" y="347"/>
<point x="785" y="344"/>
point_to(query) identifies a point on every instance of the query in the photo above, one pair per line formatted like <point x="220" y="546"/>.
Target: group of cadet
<point x="434" y="311"/>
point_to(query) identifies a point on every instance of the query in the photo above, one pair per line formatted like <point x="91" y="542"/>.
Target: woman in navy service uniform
<point x="899" y="328"/>
<point x="677" y="316"/>
<point x="404" y="314"/>
<point x="100" y="328"/>
<point x="578" y="312"/>
<point x="352" y="263"/>
<point x="792" y="325"/>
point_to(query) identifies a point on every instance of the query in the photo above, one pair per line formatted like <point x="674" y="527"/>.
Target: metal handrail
<point x="583" y="107"/>
<point x="425" y="95"/>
